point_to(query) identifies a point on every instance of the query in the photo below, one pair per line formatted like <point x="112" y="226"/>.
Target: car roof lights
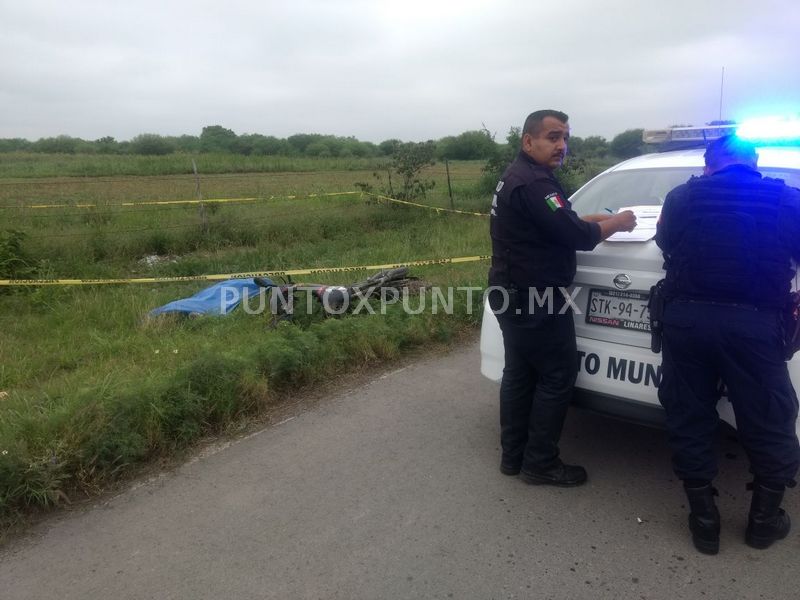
<point x="770" y="129"/>
<point x="779" y="131"/>
<point x="655" y="136"/>
<point x="689" y="136"/>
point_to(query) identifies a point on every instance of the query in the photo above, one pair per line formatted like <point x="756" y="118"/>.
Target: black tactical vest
<point x="521" y="256"/>
<point x="733" y="247"/>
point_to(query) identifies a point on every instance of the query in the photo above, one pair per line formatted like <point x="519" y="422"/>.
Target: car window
<point x="629" y="188"/>
<point x="635" y="187"/>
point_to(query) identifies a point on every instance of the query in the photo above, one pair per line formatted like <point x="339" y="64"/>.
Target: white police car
<point x="618" y="373"/>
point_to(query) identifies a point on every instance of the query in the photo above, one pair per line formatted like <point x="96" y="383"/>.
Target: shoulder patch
<point x="554" y="201"/>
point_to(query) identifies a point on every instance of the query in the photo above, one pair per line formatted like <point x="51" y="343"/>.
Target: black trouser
<point x="705" y="343"/>
<point x="540" y="371"/>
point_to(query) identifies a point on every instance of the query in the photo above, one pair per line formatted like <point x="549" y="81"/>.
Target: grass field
<point x="34" y="165"/>
<point x="90" y="387"/>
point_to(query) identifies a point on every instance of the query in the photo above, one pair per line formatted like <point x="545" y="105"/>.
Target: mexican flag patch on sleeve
<point x="554" y="201"/>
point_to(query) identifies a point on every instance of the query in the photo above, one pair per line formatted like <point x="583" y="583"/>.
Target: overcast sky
<point x="380" y="69"/>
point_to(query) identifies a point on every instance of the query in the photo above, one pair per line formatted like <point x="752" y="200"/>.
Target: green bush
<point x="14" y="261"/>
<point x="151" y="144"/>
<point x="470" y="145"/>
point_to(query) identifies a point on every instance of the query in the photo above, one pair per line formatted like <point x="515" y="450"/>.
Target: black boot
<point x="703" y="518"/>
<point x="768" y="522"/>
<point x="558" y="474"/>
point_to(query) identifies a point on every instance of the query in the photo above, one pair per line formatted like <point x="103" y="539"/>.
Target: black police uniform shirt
<point x="534" y="230"/>
<point x="731" y="237"/>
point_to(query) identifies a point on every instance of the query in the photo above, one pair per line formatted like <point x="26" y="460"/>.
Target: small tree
<point x="215" y="138"/>
<point x="14" y="145"/>
<point x="319" y="148"/>
<point x="594" y="146"/>
<point x="106" y="145"/>
<point x="186" y="143"/>
<point x="63" y="144"/>
<point x="502" y="157"/>
<point x="408" y="161"/>
<point x="387" y="147"/>
<point x="470" y="145"/>
<point x="627" y="144"/>
<point x="150" y="144"/>
<point x="269" y="145"/>
<point x="300" y="141"/>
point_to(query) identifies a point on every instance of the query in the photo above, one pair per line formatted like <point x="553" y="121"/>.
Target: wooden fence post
<point x="203" y="218"/>
<point x="449" y="187"/>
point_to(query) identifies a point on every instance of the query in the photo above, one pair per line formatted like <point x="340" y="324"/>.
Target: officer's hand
<point x="626" y="220"/>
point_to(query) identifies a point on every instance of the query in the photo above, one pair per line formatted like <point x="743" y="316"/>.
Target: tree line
<point x="469" y="145"/>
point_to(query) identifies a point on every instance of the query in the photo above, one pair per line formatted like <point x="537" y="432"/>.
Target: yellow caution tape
<point x="225" y="276"/>
<point x="436" y="208"/>
<point x="168" y="202"/>
<point x="252" y="199"/>
<point x="53" y="206"/>
<point x="222" y="200"/>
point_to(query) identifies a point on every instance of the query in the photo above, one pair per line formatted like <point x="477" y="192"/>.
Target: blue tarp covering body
<point x="219" y="299"/>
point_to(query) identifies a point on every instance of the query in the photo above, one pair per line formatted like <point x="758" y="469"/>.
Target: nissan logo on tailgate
<point x="622" y="281"/>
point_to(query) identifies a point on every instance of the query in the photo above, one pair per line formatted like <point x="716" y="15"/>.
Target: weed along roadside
<point x="90" y="388"/>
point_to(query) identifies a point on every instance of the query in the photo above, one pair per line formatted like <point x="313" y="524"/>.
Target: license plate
<point x="618" y="309"/>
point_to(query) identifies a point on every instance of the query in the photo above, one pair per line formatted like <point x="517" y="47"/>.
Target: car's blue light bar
<point x="770" y="129"/>
<point x="765" y="130"/>
<point x="687" y="134"/>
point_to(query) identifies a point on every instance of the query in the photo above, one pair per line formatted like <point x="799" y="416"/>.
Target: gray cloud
<point x="411" y="69"/>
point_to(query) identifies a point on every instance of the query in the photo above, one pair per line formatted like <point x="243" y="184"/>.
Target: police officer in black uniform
<point x="535" y="235"/>
<point x="728" y="239"/>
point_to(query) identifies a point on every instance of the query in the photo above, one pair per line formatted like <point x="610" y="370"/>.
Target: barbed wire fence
<point x="29" y="212"/>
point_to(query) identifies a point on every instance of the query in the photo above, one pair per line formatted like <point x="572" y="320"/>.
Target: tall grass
<point x="91" y="387"/>
<point x="104" y="390"/>
<point x="30" y="164"/>
<point x="267" y="235"/>
<point x="16" y="193"/>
